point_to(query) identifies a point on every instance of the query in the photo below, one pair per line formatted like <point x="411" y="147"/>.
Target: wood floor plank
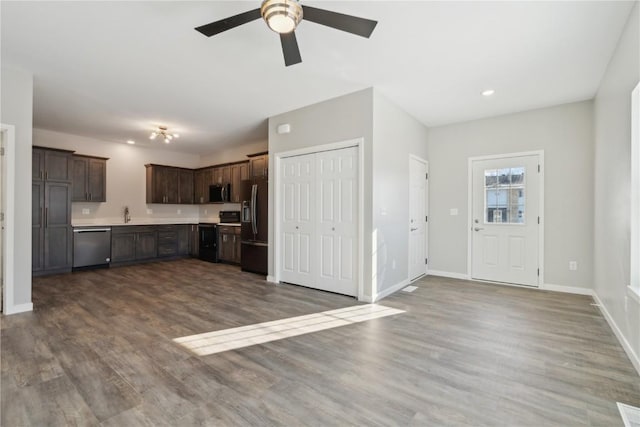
<point x="98" y="350"/>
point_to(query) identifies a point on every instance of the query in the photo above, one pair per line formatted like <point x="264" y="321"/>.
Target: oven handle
<point x="92" y="230"/>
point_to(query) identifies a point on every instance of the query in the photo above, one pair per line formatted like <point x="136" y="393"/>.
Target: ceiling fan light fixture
<point x="282" y="16"/>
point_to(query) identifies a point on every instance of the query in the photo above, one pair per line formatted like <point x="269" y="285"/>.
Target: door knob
<point x="478" y="229"/>
<point x="413" y="229"/>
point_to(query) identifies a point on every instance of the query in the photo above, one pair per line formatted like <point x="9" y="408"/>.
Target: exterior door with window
<point x="505" y="220"/>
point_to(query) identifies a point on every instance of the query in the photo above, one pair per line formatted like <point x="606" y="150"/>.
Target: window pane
<point x="490" y="179"/>
<point x="504" y="195"/>
<point x="503" y="176"/>
<point x="517" y="175"/>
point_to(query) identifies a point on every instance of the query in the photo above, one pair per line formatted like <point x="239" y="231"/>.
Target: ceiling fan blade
<point x="290" y="49"/>
<point x="351" y="24"/>
<point x="229" y="23"/>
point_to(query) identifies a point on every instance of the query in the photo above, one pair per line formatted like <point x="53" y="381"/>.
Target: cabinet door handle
<point x="46" y="175"/>
<point x="90" y="196"/>
<point x="46" y="219"/>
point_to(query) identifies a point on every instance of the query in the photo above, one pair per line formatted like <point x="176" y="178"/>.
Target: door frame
<point x="8" y="205"/>
<point x="426" y="225"/>
<point x="540" y="154"/>
<point x="277" y="255"/>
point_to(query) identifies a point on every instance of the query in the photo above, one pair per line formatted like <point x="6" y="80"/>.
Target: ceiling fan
<point x="283" y="16"/>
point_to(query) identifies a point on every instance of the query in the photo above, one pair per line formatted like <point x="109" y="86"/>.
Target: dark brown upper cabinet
<point x="222" y="175"/>
<point x="258" y="165"/>
<point x="169" y="185"/>
<point x="51" y="165"/>
<point x="202" y="179"/>
<point x="185" y="186"/>
<point x="239" y="172"/>
<point x="89" y="179"/>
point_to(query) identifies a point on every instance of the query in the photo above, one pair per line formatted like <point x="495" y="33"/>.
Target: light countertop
<point x="110" y="222"/>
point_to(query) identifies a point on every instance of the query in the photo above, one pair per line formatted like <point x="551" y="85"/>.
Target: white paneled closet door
<point x="319" y="220"/>
<point x="298" y="220"/>
<point x="337" y="190"/>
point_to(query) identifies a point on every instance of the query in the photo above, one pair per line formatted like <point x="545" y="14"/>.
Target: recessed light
<point x="130" y="141"/>
<point x="488" y="92"/>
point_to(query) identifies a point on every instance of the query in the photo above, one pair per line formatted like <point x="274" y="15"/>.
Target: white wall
<point x="565" y="134"/>
<point x="612" y="185"/>
<point x="234" y="153"/>
<point x="396" y="135"/>
<point x="126" y="178"/>
<point x="16" y="108"/>
<point x="340" y="119"/>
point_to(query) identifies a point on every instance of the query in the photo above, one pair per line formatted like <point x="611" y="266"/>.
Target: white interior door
<point x="319" y="220"/>
<point x="337" y="195"/>
<point x="417" y="217"/>
<point x="505" y="220"/>
<point x="298" y="220"/>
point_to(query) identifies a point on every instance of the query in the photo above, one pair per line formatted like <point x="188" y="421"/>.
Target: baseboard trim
<point x="635" y="360"/>
<point x="461" y="276"/>
<point x="566" y="289"/>
<point x="20" y="308"/>
<point x="272" y="279"/>
<point x="389" y="291"/>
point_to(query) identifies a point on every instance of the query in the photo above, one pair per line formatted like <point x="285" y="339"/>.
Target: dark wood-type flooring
<point x="98" y="350"/>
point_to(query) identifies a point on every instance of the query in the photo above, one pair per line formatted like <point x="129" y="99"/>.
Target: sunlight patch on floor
<point x="260" y="333"/>
<point x="630" y="415"/>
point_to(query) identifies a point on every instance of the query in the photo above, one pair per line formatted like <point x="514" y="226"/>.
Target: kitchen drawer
<point x="133" y="229"/>
<point x="167" y="249"/>
<point x="167" y="236"/>
<point x="226" y="229"/>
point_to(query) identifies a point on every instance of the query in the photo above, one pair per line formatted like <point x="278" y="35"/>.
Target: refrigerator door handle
<point x="254" y="193"/>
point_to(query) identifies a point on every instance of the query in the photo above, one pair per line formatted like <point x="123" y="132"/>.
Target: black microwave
<point x="219" y="193"/>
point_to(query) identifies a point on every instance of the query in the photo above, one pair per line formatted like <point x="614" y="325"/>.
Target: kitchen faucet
<point x="127" y="217"/>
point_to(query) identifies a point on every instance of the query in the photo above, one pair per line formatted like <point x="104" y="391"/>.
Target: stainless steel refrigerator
<point x="255" y="216"/>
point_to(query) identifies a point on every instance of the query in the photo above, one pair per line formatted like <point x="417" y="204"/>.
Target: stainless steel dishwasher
<point x="91" y="246"/>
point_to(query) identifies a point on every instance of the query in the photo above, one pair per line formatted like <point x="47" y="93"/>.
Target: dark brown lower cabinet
<point x="123" y="246"/>
<point x="194" y="240"/>
<point x="229" y="244"/>
<point x="52" y="234"/>
<point x="141" y="243"/>
<point x="146" y="244"/>
<point x="37" y="226"/>
<point x="183" y="239"/>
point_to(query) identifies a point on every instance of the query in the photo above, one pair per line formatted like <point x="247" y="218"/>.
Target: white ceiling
<point x="114" y="70"/>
